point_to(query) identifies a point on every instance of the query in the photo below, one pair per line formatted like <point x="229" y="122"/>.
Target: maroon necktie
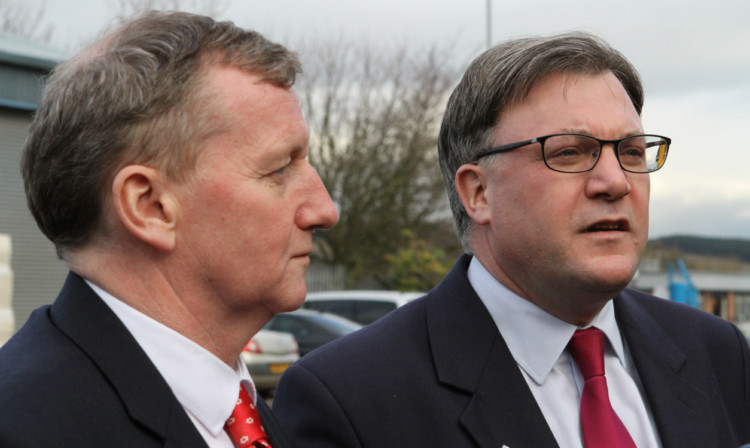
<point x="244" y="426"/>
<point x="600" y="424"/>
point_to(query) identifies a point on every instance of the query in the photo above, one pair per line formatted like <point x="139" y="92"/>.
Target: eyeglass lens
<point x="577" y="153"/>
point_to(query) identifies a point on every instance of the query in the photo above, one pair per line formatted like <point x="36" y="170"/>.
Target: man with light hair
<point x="167" y="163"/>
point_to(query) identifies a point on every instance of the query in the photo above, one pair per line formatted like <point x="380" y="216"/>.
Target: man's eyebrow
<point x="584" y="131"/>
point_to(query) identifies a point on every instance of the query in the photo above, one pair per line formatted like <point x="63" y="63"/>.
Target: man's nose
<point x="607" y="178"/>
<point x="319" y="211"/>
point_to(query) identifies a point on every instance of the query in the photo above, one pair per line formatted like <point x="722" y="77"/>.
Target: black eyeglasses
<point x="577" y="153"/>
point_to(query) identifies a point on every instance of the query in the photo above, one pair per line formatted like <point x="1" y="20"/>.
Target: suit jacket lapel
<point x="679" y="408"/>
<point x="471" y="355"/>
<point x="85" y="318"/>
<point x="503" y="408"/>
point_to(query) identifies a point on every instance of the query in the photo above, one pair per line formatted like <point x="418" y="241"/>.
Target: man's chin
<point x="611" y="276"/>
<point x="610" y="285"/>
<point x="292" y="300"/>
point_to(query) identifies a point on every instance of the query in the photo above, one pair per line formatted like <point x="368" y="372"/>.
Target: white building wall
<point x="7" y="320"/>
<point x="38" y="274"/>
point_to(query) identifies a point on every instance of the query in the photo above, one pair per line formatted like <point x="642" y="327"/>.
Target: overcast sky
<point x="694" y="57"/>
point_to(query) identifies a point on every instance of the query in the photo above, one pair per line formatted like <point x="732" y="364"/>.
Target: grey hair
<point x="504" y="75"/>
<point x="137" y="96"/>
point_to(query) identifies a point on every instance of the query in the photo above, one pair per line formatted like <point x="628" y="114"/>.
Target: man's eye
<point x="632" y="151"/>
<point x="282" y="172"/>
<point x="569" y="151"/>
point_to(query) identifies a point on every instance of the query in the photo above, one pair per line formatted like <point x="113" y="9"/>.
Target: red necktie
<point x="244" y="425"/>
<point x="600" y="424"/>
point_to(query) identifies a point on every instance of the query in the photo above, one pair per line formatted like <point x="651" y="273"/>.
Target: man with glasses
<point x="533" y="339"/>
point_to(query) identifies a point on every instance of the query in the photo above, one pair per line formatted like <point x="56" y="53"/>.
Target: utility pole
<point x="489" y="23"/>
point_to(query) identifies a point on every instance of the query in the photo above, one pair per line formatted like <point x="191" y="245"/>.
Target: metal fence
<point x="325" y="277"/>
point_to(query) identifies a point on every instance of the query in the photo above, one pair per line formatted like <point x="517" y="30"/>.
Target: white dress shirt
<point x="206" y="387"/>
<point x="537" y="340"/>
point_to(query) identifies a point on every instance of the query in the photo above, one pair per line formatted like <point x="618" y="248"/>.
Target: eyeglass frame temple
<point x="509" y="147"/>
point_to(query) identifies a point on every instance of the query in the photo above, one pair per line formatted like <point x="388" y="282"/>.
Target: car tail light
<point x="252" y="347"/>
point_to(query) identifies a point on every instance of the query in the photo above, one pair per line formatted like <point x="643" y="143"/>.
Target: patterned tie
<point x="600" y="424"/>
<point x="244" y="425"/>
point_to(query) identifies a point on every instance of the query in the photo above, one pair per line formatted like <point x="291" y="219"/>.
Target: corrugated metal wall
<point x="38" y="274"/>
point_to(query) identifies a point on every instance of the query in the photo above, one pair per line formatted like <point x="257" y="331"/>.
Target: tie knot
<point x="244" y="425"/>
<point x="587" y="348"/>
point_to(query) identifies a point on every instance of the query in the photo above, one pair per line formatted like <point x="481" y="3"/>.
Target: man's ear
<point x="145" y="206"/>
<point x="471" y="186"/>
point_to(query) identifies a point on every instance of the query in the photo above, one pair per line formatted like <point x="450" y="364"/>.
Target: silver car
<point x="360" y="306"/>
<point x="267" y="356"/>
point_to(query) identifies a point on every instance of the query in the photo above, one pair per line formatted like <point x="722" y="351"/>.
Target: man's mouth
<point x="609" y="226"/>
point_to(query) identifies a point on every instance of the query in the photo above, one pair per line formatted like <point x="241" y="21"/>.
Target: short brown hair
<point x="504" y="75"/>
<point x="133" y="97"/>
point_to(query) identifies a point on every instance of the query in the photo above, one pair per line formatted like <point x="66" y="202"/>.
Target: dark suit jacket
<point x="74" y="376"/>
<point x="436" y="372"/>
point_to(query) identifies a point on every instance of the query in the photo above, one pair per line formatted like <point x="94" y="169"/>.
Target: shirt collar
<point x="535" y="338"/>
<point x="209" y="391"/>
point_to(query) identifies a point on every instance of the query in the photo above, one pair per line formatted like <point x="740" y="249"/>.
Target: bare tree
<point x="374" y="115"/>
<point x="20" y="20"/>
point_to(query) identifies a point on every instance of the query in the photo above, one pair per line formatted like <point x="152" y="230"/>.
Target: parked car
<point x="267" y="356"/>
<point x="360" y="306"/>
<point x="312" y="328"/>
<point x="745" y="329"/>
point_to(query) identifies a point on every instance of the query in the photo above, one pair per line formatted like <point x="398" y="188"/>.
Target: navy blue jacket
<point x="437" y="373"/>
<point x="74" y="376"/>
